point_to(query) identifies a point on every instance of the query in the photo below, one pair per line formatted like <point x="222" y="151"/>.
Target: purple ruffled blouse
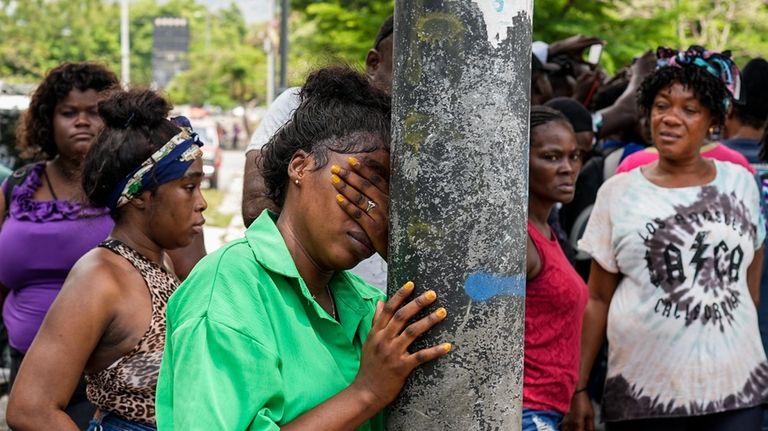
<point x="40" y="241"/>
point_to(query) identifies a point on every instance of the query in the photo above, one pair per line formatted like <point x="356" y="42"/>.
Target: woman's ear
<point x="142" y="200"/>
<point x="300" y="163"/>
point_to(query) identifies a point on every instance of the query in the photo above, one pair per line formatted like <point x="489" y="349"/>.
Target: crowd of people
<point x="663" y="217"/>
<point x="644" y="254"/>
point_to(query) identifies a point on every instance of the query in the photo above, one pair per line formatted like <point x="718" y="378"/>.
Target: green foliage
<point x="36" y="35"/>
<point x="633" y="26"/>
<point x="226" y="58"/>
<point x="336" y="31"/>
<point x="228" y="64"/>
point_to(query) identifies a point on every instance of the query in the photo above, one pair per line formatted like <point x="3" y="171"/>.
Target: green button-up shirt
<point x="247" y="346"/>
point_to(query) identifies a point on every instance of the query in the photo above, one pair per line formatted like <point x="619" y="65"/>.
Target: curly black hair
<point x="35" y="136"/>
<point x="338" y="105"/>
<point x="135" y="126"/>
<point x="709" y="90"/>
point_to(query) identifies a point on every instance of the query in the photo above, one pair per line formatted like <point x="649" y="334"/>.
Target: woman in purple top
<point x="47" y="226"/>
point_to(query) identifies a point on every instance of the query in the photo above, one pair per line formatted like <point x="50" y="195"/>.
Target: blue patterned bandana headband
<point x="717" y="64"/>
<point x="168" y="163"/>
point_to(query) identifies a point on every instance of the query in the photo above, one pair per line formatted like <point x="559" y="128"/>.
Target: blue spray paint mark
<point x="482" y="286"/>
<point x="499" y="5"/>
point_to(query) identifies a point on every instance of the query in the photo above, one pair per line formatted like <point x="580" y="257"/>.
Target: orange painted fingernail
<point x="441" y="312"/>
<point x="352" y="161"/>
<point x="430" y="295"/>
<point x="335" y="169"/>
<point x="335" y="179"/>
<point x="408" y="286"/>
<point x="340" y="199"/>
<point x="447" y="347"/>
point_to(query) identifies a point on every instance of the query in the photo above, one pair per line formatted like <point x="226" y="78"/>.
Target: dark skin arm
<point x="573" y="46"/>
<point x="255" y="199"/>
<point x="384" y="367"/>
<point x="602" y="286"/>
<point x="624" y="113"/>
<point x="45" y="383"/>
<point x="532" y="261"/>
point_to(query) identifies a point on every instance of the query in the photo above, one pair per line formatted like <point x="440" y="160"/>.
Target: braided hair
<point x="541" y="115"/>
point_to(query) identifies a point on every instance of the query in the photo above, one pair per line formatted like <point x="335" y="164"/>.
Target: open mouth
<point x="669" y="137"/>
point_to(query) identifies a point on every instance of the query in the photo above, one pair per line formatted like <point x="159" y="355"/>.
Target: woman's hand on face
<point x="581" y="417"/>
<point x="364" y="195"/>
<point x="386" y="362"/>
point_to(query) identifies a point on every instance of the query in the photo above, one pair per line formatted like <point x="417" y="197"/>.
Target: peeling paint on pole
<point x="459" y="203"/>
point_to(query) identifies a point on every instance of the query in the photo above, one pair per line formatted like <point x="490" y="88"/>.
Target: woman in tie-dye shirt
<point x="676" y="248"/>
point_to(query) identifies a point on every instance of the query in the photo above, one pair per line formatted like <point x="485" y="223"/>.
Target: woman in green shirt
<point x="270" y="332"/>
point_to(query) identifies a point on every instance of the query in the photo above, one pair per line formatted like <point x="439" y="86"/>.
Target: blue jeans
<point x="538" y="420"/>
<point x="111" y="422"/>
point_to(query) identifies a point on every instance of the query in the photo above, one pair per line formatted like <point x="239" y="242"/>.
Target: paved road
<point x="231" y="184"/>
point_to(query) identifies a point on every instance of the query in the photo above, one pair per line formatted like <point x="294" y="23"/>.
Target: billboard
<point x="170" y="49"/>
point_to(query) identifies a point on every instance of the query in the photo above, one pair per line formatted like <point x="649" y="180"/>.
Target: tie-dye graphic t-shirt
<point x="682" y="327"/>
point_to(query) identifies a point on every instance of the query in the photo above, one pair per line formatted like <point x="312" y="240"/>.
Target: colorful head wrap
<point x="168" y="163"/>
<point x="718" y="64"/>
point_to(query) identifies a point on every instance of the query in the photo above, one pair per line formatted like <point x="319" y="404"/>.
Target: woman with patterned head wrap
<point x="147" y="170"/>
<point x="677" y="250"/>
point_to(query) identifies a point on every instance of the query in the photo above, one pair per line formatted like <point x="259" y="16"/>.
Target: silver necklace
<point x="333" y="303"/>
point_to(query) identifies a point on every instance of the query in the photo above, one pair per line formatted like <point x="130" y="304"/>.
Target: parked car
<point x="206" y="129"/>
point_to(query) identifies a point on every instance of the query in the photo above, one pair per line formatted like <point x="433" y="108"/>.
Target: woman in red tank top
<point x="555" y="294"/>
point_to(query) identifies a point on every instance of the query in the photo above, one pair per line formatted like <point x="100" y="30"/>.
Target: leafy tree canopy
<point x="227" y="64"/>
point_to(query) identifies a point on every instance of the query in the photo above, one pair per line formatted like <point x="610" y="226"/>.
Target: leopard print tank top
<point x="127" y="387"/>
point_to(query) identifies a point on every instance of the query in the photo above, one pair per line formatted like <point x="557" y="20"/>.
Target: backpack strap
<point x="611" y="162"/>
<point x="17" y="177"/>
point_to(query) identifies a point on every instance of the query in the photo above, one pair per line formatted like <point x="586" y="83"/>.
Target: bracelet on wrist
<point x="584" y="389"/>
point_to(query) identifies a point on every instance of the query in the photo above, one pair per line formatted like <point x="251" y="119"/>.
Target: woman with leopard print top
<point x="147" y="170"/>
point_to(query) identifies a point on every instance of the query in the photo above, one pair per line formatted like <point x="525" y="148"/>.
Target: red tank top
<point x="554" y="306"/>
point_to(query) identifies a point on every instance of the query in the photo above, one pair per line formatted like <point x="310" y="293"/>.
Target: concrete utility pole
<point x="125" y="45"/>
<point x="284" y="9"/>
<point x="459" y="203"/>
<point x="269" y="48"/>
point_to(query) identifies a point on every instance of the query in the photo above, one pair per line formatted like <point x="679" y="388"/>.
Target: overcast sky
<point x="253" y="10"/>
